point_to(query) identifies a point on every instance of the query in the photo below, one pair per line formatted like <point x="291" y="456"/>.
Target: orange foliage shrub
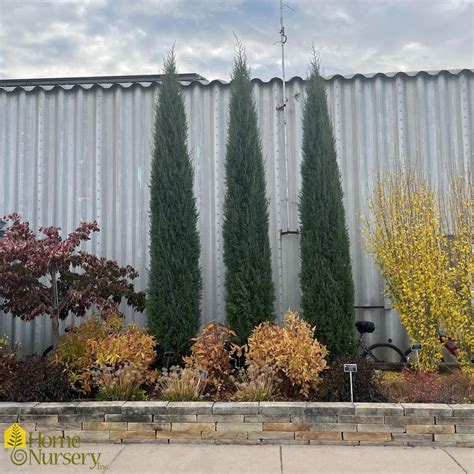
<point x="211" y="354"/>
<point x="290" y="352"/>
<point x="104" y="345"/>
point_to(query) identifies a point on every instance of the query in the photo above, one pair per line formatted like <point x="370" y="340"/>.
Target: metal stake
<point x="352" y="393"/>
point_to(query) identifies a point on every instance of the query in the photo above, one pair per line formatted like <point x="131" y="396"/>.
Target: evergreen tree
<point x="249" y="290"/>
<point x="174" y="291"/>
<point x="326" y="278"/>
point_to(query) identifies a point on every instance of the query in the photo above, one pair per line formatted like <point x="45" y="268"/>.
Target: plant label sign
<point x="350" y="367"/>
<point x="202" y="373"/>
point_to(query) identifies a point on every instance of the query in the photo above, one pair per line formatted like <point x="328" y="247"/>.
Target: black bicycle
<point x="383" y="352"/>
<point x="49" y="350"/>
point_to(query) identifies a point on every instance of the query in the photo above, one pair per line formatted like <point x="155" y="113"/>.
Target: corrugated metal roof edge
<point x="110" y="82"/>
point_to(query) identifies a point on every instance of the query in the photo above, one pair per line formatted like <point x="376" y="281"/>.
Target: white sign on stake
<point x="350" y="368"/>
<point x="416" y="348"/>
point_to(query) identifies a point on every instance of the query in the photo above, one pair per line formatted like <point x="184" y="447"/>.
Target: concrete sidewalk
<point x="208" y="459"/>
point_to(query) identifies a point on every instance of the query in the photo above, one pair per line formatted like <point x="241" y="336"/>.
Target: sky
<point x="60" y="38"/>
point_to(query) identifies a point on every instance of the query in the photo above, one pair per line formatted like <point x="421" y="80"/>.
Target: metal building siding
<point x="69" y="154"/>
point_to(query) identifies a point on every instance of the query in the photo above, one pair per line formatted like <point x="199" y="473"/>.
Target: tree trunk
<point x="55" y="312"/>
<point x="55" y="321"/>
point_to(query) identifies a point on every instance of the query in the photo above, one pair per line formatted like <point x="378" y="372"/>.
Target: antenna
<point x="282" y="108"/>
<point x="285" y="226"/>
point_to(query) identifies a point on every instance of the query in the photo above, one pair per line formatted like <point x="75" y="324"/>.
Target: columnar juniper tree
<point x="174" y="291"/>
<point x="249" y="293"/>
<point x="326" y="279"/>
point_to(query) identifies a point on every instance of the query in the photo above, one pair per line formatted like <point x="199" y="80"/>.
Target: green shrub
<point x="37" y="379"/>
<point x="335" y="386"/>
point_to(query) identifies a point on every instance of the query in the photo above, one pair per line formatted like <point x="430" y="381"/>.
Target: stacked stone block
<point x="248" y="422"/>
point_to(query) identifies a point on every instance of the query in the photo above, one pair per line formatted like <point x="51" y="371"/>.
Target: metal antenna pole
<point x="283" y="40"/>
<point x="285" y="226"/>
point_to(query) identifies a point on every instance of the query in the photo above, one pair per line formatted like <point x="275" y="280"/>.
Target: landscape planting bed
<point x="405" y="424"/>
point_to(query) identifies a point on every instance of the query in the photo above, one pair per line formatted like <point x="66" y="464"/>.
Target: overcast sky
<point x="46" y="38"/>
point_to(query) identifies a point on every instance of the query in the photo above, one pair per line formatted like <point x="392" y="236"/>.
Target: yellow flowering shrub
<point x="428" y="271"/>
<point x="459" y="221"/>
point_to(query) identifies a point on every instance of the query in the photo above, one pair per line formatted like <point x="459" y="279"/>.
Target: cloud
<point x="46" y="38"/>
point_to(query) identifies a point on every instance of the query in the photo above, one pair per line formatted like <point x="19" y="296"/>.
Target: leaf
<point x="15" y="437"/>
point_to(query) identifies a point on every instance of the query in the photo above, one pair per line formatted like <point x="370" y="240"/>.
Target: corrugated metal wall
<point x="69" y="154"/>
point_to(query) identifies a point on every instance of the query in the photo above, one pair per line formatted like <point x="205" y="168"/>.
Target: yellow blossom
<point x="426" y="258"/>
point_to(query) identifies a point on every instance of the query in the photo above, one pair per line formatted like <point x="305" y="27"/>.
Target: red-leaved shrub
<point x="427" y="387"/>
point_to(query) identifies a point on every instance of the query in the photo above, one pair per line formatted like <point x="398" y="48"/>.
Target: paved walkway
<point x="209" y="459"/>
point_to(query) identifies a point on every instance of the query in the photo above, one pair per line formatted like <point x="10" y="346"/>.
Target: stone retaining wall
<point x="248" y="423"/>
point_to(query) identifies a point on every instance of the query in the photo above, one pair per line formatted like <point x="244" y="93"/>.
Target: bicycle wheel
<point x="385" y="353"/>
<point x="47" y="351"/>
